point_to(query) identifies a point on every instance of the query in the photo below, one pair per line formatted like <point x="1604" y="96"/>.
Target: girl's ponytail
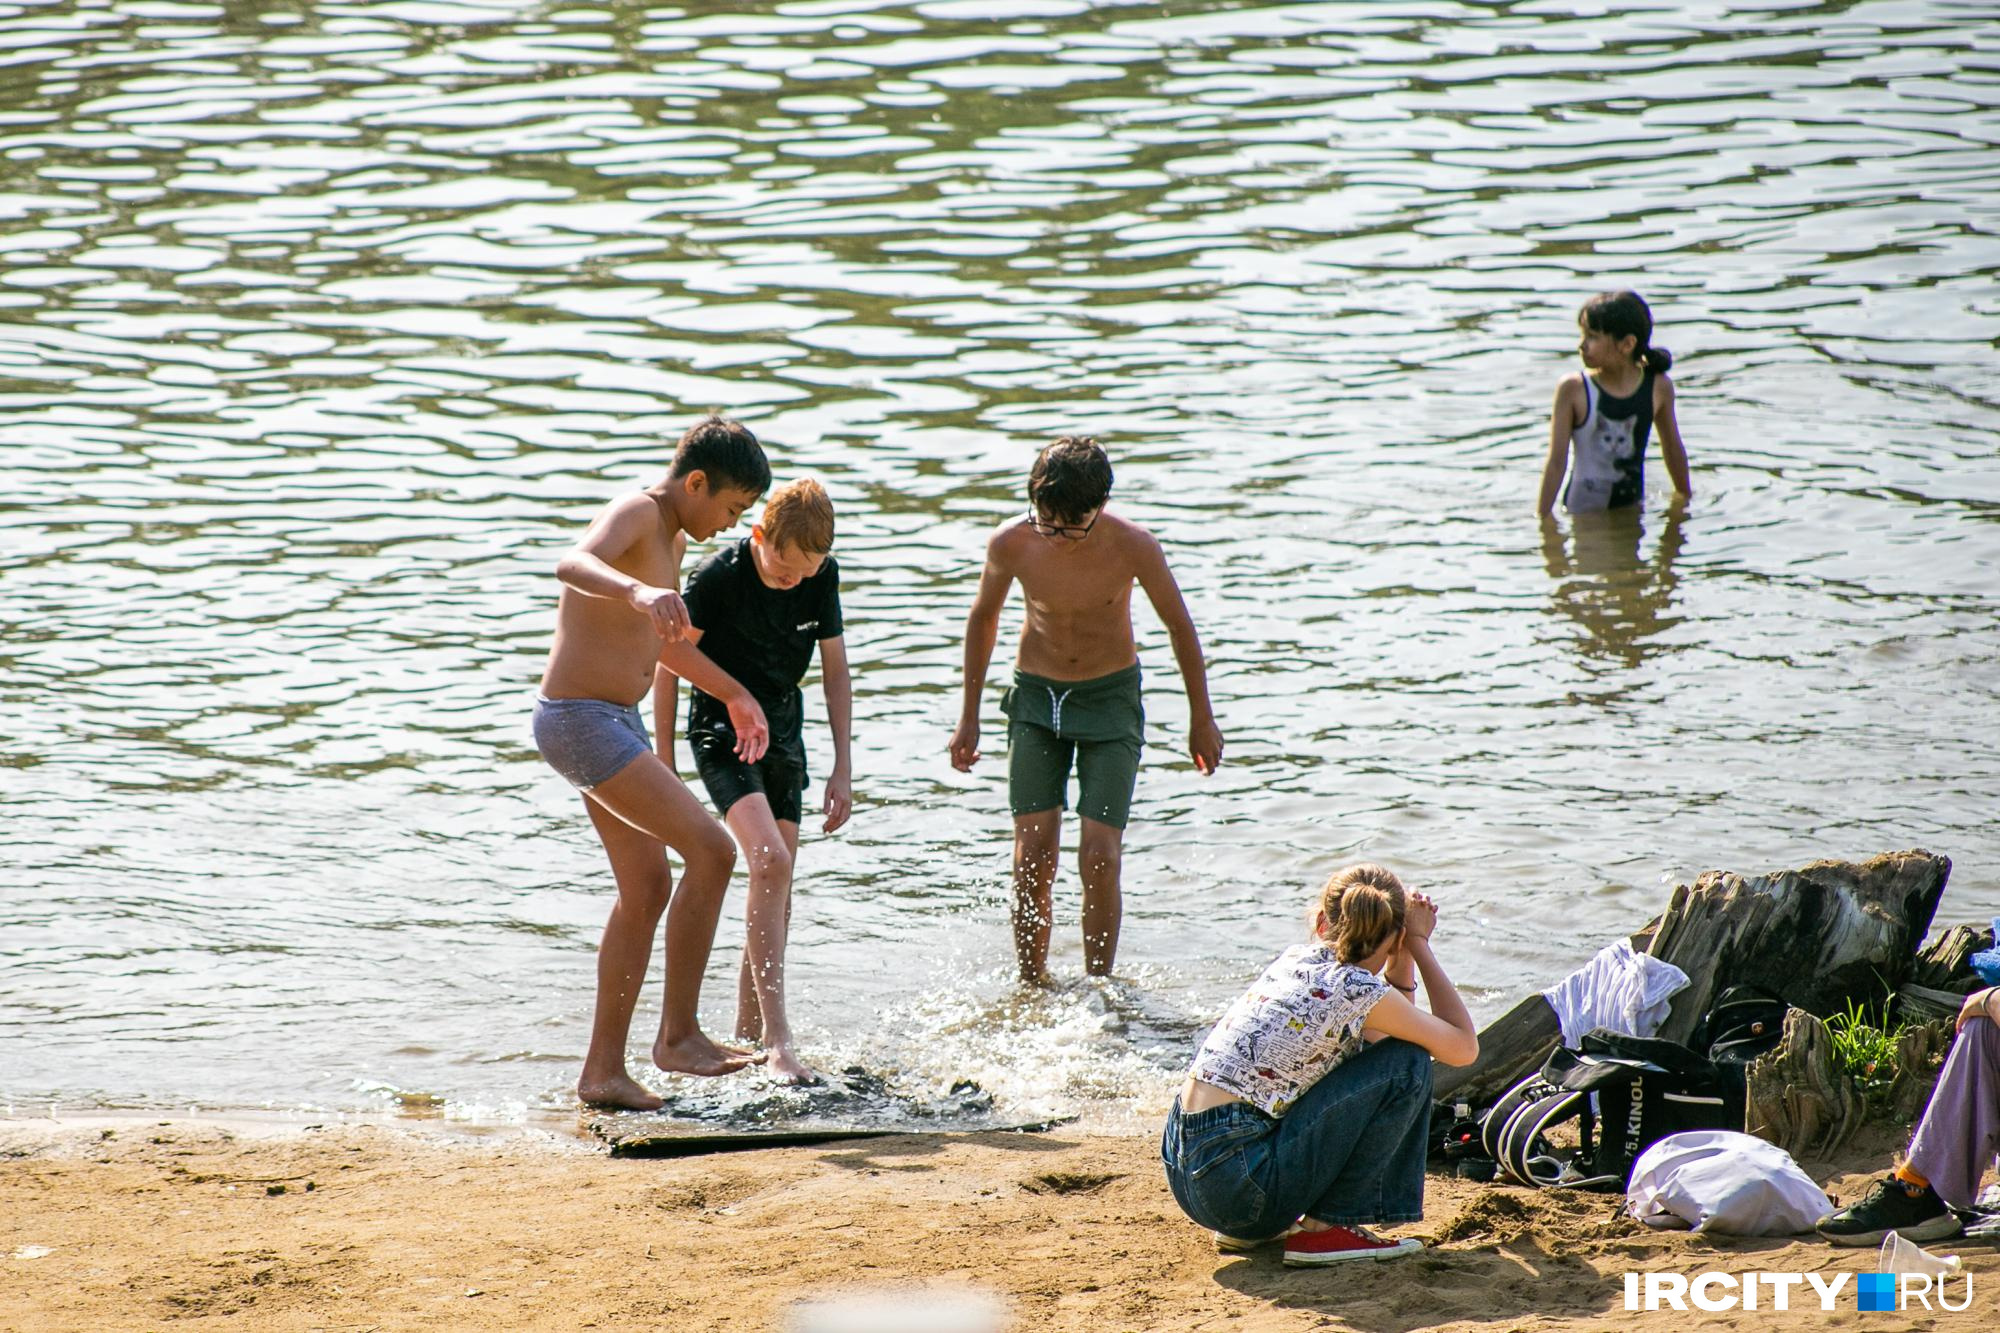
<point x="1363" y="906"/>
<point x="1656" y="360"/>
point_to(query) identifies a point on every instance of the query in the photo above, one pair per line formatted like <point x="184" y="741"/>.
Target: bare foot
<point x="696" y="1054"/>
<point x="786" y="1067"/>
<point x="619" y="1092"/>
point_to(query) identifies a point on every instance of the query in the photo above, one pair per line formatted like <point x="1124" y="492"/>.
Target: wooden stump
<point x="1920" y="1053"/>
<point x="1818" y="937"/>
<point x="1799" y="1099"/>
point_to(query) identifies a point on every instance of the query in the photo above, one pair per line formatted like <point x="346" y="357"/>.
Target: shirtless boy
<point x="1075" y="697"/>
<point x="619" y="614"/>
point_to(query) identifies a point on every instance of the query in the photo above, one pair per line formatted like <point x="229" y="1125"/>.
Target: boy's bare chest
<point x="1076" y="591"/>
<point x="655" y="560"/>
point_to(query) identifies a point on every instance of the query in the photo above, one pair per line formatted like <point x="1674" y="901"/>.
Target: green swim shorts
<point x="1099" y="724"/>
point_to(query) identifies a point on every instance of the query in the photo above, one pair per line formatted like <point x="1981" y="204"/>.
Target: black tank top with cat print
<point x="1607" y="467"/>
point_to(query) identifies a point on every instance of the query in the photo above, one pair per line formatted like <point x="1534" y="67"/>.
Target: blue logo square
<point x="1877" y="1291"/>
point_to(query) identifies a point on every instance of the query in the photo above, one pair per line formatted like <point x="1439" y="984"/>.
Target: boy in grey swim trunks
<point x="1075" y="697"/>
<point x="620" y="619"/>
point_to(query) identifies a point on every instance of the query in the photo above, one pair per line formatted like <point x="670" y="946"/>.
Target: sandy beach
<point x="330" y="331"/>
<point x="197" y="1224"/>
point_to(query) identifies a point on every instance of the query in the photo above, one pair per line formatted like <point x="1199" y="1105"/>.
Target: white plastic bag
<point x="1728" y="1183"/>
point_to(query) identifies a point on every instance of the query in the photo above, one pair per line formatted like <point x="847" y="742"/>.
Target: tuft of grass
<point x="1865" y="1048"/>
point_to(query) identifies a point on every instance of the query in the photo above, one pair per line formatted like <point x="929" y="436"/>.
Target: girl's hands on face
<point x="1420" y="916"/>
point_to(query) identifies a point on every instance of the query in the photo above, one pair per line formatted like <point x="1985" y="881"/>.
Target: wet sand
<point x="194" y="1224"/>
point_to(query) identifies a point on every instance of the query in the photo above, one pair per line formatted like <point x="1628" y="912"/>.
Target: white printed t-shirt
<point x="1300" y="1019"/>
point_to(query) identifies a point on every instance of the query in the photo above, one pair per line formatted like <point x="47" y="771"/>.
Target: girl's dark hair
<point x="726" y="453"/>
<point x="1364" y="906"/>
<point x="1070" y="478"/>
<point x="1616" y="314"/>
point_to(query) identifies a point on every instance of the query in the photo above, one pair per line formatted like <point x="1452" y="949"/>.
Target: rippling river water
<point x="324" y="328"/>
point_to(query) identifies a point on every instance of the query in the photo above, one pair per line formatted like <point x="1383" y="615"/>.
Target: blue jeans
<point x="1351" y="1150"/>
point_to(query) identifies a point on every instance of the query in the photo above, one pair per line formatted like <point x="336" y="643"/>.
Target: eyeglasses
<point x="1047" y="529"/>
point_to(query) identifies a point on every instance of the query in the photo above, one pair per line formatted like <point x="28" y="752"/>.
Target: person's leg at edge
<point x="1960" y="1129"/>
<point x="769" y="847"/>
<point x="647" y="795"/>
<point x="1036" y="838"/>
<point x="1099" y="851"/>
<point x="645" y="882"/>
<point x="1351" y="1150"/>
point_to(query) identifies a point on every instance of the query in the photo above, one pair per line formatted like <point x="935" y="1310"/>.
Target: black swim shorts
<point x="780" y="776"/>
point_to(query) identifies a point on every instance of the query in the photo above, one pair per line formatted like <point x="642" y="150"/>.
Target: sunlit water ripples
<point x="323" y="329"/>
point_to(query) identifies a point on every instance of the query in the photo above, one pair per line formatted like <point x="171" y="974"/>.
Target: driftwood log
<point x="1942" y="976"/>
<point x="1799" y="1098"/>
<point x="1945" y="963"/>
<point x="1819" y="937"/>
<point x="1511" y="1047"/>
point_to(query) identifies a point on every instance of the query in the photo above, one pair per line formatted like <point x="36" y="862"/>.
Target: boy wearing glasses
<point x="1075" y="697"/>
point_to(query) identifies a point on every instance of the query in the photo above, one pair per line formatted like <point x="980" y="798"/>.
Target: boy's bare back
<point x="604" y="647"/>
<point x="1078" y="594"/>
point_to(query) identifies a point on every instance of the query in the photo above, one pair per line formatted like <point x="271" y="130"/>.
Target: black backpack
<point x="1744" y="1022"/>
<point x="1625" y="1093"/>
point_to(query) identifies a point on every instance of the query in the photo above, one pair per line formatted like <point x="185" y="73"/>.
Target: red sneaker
<point x="1311" y="1249"/>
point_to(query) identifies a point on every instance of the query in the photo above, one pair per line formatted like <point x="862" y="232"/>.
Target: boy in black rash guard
<point x="757" y="608"/>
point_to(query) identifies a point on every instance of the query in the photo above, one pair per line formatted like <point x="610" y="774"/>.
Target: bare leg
<point x="749" y="1014"/>
<point x="1099" y="853"/>
<point x="768" y="846"/>
<point x="1035" y="847"/>
<point x="639" y="863"/>
<point x="648" y="796"/>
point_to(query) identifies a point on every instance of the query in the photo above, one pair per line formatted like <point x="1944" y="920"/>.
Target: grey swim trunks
<point x="589" y="741"/>
<point x="1097" y="725"/>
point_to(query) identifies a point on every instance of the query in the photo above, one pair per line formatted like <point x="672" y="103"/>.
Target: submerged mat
<point x="641" y="1135"/>
<point x="651" y="1136"/>
<point x="734" y="1115"/>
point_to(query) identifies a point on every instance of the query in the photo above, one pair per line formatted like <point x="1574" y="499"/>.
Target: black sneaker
<point x="1890" y="1206"/>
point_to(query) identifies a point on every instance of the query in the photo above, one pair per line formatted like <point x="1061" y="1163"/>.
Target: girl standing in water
<point x="1307" y="1110"/>
<point x="1602" y="417"/>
